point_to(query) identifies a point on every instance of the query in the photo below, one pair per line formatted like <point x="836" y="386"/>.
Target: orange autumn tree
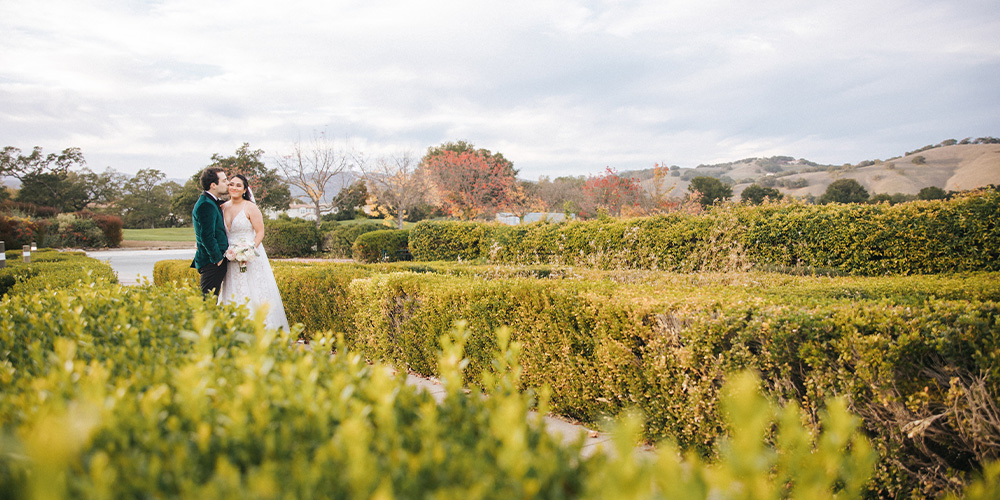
<point x="472" y="183"/>
<point x="611" y="192"/>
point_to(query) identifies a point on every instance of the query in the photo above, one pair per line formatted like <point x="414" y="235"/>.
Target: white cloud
<point x="559" y="87"/>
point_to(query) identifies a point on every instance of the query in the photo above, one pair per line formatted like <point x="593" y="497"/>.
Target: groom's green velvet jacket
<point x="209" y="231"/>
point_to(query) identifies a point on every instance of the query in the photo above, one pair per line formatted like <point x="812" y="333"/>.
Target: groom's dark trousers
<point x="211" y="243"/>
<point x="212" y="276"/>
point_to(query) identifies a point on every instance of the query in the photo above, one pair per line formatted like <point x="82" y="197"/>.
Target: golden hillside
<point x="953" y="168"/>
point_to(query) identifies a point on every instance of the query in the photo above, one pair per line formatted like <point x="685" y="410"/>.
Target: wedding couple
<point x="228" y="232"/>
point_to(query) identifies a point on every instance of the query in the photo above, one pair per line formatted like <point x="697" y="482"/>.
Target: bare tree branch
<point x="395" y="183"/>
<point x="312" y="169"/>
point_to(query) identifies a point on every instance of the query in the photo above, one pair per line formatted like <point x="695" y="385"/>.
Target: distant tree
<point x="892" y="199"/>
<point x="562" y="194"/>
<point x="269" y="189"/>
<point x="395" y="186"/>
<point x="659" y="198"/>
<point x="932" y="193"/>
<point x="182" y="202"/>
<point x="106" y="187"/>
<point x="145" y="200"/>
<point x="312" y="168"/>
<point x="710" y="189"/>
<point x="47" y="180"/>
<point x="350" y="200"/>
<point x="612" y="192"/>
<point x="14" y="164"/>
<point x="65" y="191"/>
<point x="755" y="194"/>
<point x="471" y="182"/>
<point x="844" y="191"/>
<point x="919" y="160"/>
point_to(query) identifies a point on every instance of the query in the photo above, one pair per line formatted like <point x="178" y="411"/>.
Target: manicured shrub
<point x="70" y="231"/>
<point x="339" y="241"/>
<point x="961" y="234"/>
<point x="290" y="238"/>
<point x="446" y="240"/>
<point x="28" y="209"/>
<point x="17" y="231"/>
<point x="51" y="269"/>
<point x="154" y="392"/>
<point x="903" y="349"/>
<point x="110" y="225"/>
<point x="382" y="246"/>
<point x="179" y="272"/>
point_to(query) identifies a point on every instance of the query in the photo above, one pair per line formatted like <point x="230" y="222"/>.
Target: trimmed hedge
<point x="82" y="229"/>
<point x="51" y="269"/>
<point x="961" y="234"/>
<point x="16" y="231"/>
<point x="111" y="226"/>
<point x="339" y="242"/>
<point x="290" y="238"/>
<point x="114" y="392"/>
<point x="388" y="245"/>
<point x="902" y="349"/>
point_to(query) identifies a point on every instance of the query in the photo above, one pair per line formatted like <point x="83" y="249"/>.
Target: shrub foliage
<point x="389" y="245"/>
<point x="290" y="238"/>
<point x="961" y="234"/>
<point x="915" y="356"/>
<point x="110" y="392"/>
<point x="339" y="242"/>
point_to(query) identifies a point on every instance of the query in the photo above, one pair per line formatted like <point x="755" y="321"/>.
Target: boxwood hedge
<point x="154" y="392"/>
<point x="920" y="237"/>
<point x="902" y="349"/>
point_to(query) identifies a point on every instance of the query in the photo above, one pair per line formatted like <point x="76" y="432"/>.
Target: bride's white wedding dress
<point x="256" y="286"/>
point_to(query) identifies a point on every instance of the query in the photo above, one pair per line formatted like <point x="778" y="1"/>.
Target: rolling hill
<point x="955" y="167"/>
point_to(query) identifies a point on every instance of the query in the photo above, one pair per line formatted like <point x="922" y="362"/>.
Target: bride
<point x="255" y="286"/>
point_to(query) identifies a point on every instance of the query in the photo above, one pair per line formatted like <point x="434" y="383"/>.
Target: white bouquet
<point x="241" y="252"/>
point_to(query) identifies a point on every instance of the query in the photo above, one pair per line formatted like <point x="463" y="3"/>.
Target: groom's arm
<point x="204" y="226"/>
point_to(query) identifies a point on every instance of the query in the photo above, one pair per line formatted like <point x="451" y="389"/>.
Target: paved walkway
<point x="568" y="432"/>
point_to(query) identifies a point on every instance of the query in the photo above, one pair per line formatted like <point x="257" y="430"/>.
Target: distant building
<point x="513" y="220"/>
<point x="305" y="211"/>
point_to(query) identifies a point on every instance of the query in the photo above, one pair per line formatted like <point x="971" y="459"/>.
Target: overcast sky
<point x="558" y="87"/>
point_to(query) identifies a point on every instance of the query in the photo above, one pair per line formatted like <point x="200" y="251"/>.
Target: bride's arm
<point x="257" y="221"/>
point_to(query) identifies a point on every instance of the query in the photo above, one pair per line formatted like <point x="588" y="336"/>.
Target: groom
<point x="210" y="231"/>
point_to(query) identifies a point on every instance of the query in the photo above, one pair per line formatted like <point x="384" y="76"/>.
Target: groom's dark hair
<point x="210" y="176"/>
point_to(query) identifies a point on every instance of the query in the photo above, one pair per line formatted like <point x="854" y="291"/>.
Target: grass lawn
<point x="164" y="234"/>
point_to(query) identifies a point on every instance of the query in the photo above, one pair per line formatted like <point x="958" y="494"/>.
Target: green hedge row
<point x="153" y="392"/>
<point x="902" y="349"/>
<point x="339" y="242"/>
<point x="75" y="230"/>
<point x="961" y="234"/>
<point x="389" y="245"/>
<point x="284" y="238"/>
<point x="52" y="269"/>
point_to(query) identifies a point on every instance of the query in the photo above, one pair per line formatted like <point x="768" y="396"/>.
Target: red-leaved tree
<point x="473" y="183"/>
<point x="611" y="192"/>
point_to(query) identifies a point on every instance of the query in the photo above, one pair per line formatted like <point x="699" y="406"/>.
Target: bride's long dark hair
<point x="247" y="194"/>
